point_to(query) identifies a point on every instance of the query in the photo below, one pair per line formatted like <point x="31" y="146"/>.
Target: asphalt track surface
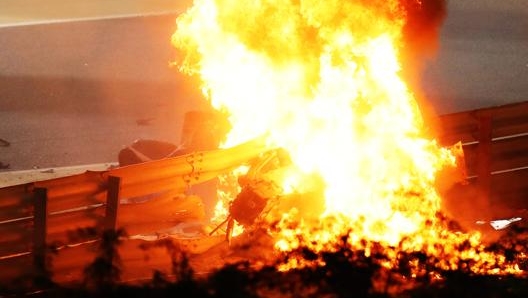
<point x="75" y="93"/>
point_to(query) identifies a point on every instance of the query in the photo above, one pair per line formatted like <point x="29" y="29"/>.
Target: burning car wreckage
<point x="260" y="198"/>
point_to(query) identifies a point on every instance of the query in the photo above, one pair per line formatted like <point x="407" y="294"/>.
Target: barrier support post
<point x="112" y="202"/>
<point x="484" y="158"/>
<point x="40" y="228"/>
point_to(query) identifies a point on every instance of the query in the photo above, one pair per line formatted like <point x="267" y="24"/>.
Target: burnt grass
<point x="346" y="273"/>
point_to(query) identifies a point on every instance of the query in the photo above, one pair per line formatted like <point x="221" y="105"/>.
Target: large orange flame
<point x="322" y="80"/>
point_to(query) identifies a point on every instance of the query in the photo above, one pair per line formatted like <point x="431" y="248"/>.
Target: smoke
<point x="421" y="36"/>
<point x="423" y="22"/>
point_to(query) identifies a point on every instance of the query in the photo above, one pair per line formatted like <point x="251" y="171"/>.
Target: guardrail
<point x="495" y="144"/>
<point x="37" y="215"/>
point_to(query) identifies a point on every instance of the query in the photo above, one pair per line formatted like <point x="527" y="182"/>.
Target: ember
<point x="323" y="81"/>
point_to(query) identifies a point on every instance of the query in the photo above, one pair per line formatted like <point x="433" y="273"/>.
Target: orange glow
<point x="321" y="79"/>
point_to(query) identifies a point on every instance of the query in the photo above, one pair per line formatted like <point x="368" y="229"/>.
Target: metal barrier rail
<point x="34" y="215"/>
<point x="495" y="143"/>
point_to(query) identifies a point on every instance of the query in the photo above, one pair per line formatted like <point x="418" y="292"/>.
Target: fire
<point x="322" y="80"/>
